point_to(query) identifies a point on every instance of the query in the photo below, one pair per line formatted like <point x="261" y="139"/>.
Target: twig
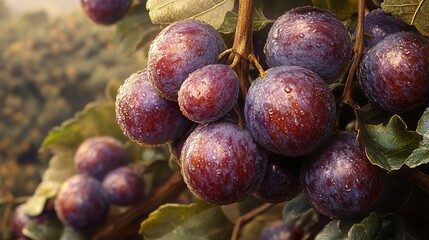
<point x="358" y="51"/>
<point x="128" y="223"/>
<point x="247" y="218"/>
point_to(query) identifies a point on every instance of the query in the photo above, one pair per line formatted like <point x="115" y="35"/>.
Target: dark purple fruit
<point x="394" y="74"/>
<point x="81" y="202"/>
<point x="280" y="230"/>
<point x="281" y="181"/>
<point x="144" y="116"/>
<point x="291" y="111"/>
<point x="209" y="93"/>
<point x="177" y="51"/>
<point x="379" y="24"/>
<point x="19" y="220"/>
<point x="176" y="146"/>
<point x="97" y="156"/>
<point x="339" y="181"/>
<point x="105" y="12"/>
<point x="311" y="38"/>
<point x="221" y="163"/>
<point x="123" y="186"/>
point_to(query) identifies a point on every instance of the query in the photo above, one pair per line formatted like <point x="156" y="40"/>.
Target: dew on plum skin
<point x="394" y="74"/>
<point x="209" y="93"/>
<point x="123" y="186"/>
<point x="339" y="181"/>
<point x="177" y="51"/>
<point x="144" y="116"/>
<point x="81" y="202"/>
<point x="291" y="111"/>
<point x="105" y="12"/>
<point x="221" y="163"/>
<point x="96" y="156"/>
<point x="311" y="38"/>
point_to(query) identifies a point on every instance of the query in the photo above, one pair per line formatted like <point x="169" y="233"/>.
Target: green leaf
<point x="413" y="12"/>
<point x="230" y="22"/>
<point x="394" y="228"/>
<point x="346" y="230"/>
<point x="51" y="230"/>
<point x="388" y="146"/>
<point x="342" y="9"/>
<point x="194" y="221"/>
<point x="423" y="124"/>
<point x="135" y="30"/>
<point x="71" y="234"/>
<point x="35" y="204"/>
<point x="168" y="11"/>
<point x="295" y="209"/>
<point x="94" y="120"/>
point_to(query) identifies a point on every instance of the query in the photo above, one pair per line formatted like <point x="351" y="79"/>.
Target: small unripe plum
<point x="221" y="163"/>
<point x="81" y="202"/>
<point x="339" y="181"/>
<point x="146" y="117"/>
<point x="178" y="50"/>
<point x="123" y="186"/>
<point x="105" y="12"/>
<point x="291" y="111"/>
<point x="394" y="74"/>
<point x="280" y="230"/>
<point x="209" y="93"/>
<point x="312" y="38"/>
<point x="97" y="156"/>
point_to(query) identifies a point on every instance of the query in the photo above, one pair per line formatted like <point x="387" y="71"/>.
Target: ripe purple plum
<point x="221" y="163"/>
<point x="209" y="93"/>
<point x="81" y="202"/>
<point x="105" y="12"/>
<point x="123" y="186"/>
<point x="311" y="38"/>
<point x="97" y="156"/>
<point x="176" y="146"/>
<point x="379" y="24"/>
<point x="146" y="117"/>
<point x="281" y="181"/>
<point x="178" y="50"/>
<point x="339" y="181"/>
<point x="394" y="74"/>
<point x="291" y="111"/>
<point x="280" y="230"/>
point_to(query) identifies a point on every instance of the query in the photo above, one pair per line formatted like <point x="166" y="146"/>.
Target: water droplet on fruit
<point x="302" y="17"/>
<point x="270" y="111"/>
<point x="347" y="188"/>
<point x="301" y="35"/>
<point x="288" y="89"/>
<point x="218" y="171"/>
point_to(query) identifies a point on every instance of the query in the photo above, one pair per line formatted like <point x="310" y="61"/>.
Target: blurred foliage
<point x="49" y="69"/>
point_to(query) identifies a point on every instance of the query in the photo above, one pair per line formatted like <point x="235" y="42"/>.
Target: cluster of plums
<point x="287" y="143"/>
<point x="103" y="179"/>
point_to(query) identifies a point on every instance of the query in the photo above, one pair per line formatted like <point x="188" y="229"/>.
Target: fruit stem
<point x="358" y="51"/>
<point x="242" y="46"/>
<point x="128" y="223"/>
<point x="247" y="218"/>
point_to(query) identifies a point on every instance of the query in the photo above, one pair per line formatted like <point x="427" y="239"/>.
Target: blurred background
<point x="53" y="61"/>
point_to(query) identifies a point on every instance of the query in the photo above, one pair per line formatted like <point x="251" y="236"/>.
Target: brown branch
<point x="417" y="177"/>
<point x="358" y="51"/>
<point x="128" y="223"/>
<point x="247" y="218"/>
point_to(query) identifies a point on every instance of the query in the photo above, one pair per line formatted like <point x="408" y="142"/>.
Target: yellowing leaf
<point x="342" y="9"/>
<point x="168" y="11"/>
<point x="413" y="12"/>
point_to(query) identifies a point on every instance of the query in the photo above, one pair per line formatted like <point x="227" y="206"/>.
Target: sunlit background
<point x="53" y="61"/>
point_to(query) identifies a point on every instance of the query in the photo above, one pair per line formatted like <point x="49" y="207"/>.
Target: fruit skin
<point x="97" y="156"/>
<point x="144" y="116"/>
<point x="291" y="111"/>
<point x="281" y="181"/>
<point x="209" y="93"/>
<point x="123" y="186"/>
<point x="311" y="38"/>
<point x="339" y="181"/>
<point x="177" y="51"/>
<point x="176" y="146"/>
<point x="379" y="24"/>
<point x="394" y="74"/>
<point x="105" y="12"/>
<point x="280" y="230"/>
<point x="19" y="220"/>
<point x="221" y="163"/>
<point x="81" y="202"/>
